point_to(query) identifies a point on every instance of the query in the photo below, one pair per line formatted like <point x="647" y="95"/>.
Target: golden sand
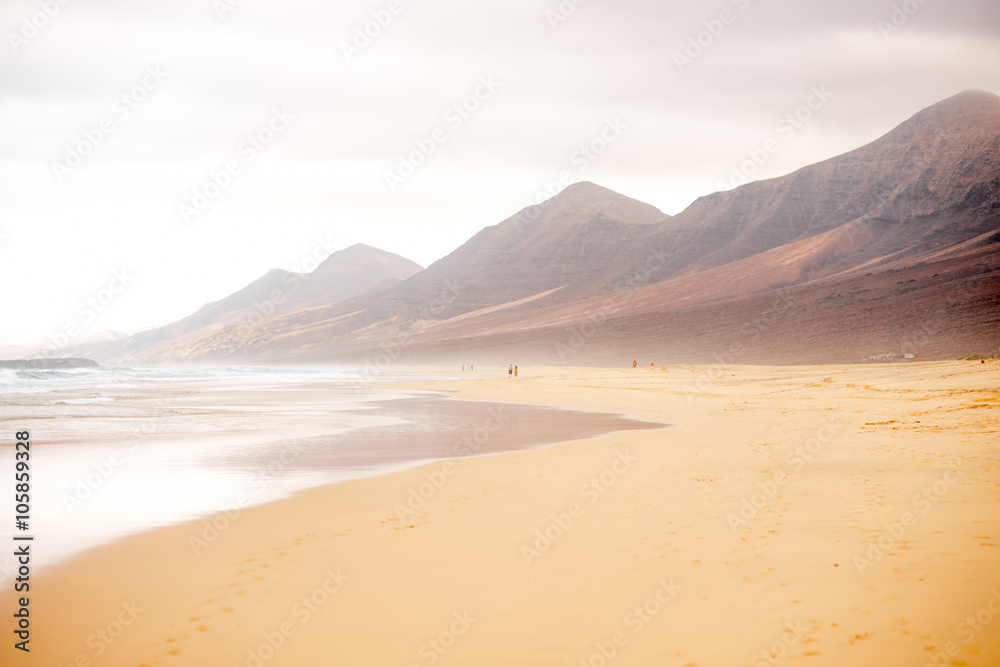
<point x="824" y="515"/>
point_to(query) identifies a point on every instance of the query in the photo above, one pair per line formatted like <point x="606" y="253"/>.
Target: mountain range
<point x="892" y="248"/>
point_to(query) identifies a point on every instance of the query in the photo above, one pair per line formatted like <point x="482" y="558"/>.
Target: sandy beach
<point x="815" y="515"/>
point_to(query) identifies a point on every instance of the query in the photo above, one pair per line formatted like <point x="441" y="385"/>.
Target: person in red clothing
<point x="634" y="363"/>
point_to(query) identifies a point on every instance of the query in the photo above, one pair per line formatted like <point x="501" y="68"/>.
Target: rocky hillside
<point x="858" y="240"/>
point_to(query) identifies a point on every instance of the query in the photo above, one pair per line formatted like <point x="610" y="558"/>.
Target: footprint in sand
<point x="170" y="641"/>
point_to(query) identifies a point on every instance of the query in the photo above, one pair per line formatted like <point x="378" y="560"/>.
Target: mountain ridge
<point x="925" y="193"/>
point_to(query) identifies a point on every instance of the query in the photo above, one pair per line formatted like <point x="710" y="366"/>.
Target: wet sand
<point x="122" y="458"/>
<point x="826" y="515"/>
<point x="434" y="426"/>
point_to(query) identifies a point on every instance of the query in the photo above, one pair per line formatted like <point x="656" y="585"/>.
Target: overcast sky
<point x="159" y="155"/>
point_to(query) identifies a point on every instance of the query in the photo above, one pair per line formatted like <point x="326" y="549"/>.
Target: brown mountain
<point x="345" y="274"/>
<point x="931" y="182"/>
<point x="566" y="242"/>
<point x="837" y="261"/>
<point x="563" y="245"/>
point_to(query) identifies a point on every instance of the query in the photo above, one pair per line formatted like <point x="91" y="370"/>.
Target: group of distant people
<point x="636" y="363"/>
<point x="511" y="370"/>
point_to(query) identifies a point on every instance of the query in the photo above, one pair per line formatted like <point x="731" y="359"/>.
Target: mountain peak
<point x="586" y="201"/>
<point x="970" y="111"/>
<point x="972" y="96"/>
<point x="588" y="189"/>
<point x="360" y="248"/>
<point x="360" y="258"/>
<point x="586" y="193"/>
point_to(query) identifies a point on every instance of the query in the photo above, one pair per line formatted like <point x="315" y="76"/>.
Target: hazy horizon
<point x="286" y="120"/>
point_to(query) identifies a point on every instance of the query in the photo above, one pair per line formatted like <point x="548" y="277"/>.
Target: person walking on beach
<point x="634" y="363"/>
<point x="515" y="371"/>
<point x="510" y="370"/>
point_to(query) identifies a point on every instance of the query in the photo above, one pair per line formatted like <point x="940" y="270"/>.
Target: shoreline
<point x="656" y="535"/>
<point x="384" y="430"/>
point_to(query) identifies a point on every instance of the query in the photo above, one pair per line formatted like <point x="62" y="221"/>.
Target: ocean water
<point x="116" y="451"/>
